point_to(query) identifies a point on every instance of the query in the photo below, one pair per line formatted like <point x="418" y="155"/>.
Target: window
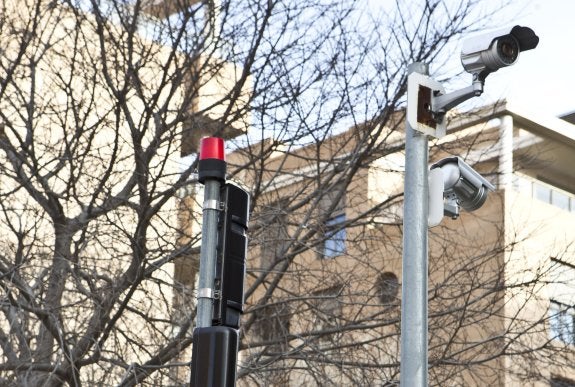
<point x="387" y="287"/>
<point x="272" y="324"/>
<point x="561" y="290"/>
<point x="562" y="322"/>
<point x="334" y="244"/>
<point x="322" y="313"/>
<point x="274" y="239"/>
<point x="327" y="308"/>
<point x="561" y="382"/>
<point x="544" y="192"/>
<point x="560" y="200"/>
<point x="334" y="232"/>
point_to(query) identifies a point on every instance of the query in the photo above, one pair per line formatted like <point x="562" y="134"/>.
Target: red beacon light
<point x="212" y="164"/>
<point x="212" y="148"/>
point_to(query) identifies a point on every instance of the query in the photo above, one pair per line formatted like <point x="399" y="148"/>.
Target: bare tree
<point x="98" y="258"/>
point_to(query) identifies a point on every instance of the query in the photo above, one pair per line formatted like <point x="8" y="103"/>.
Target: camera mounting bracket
<point x="442" y="103"/>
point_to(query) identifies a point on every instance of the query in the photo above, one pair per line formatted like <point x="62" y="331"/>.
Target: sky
<point x="543" y="79"/>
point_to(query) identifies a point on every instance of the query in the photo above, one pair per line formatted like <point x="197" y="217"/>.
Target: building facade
<point x="324" y="272"/>
<point x="98" y="263"/>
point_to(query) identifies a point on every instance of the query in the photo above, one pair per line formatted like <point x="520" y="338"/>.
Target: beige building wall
<point x="500" y="257"/>
<point x="546" y="234"/>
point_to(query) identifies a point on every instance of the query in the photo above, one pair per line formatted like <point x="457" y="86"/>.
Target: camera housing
<point x="486" y="53"/>
<point x="480" y="56"/>
<point x="462" y="186"/>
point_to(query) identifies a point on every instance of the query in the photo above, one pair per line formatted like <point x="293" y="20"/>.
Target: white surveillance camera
<point x="486" y="53"/>
<point x="480" y="56"/>
<point x="462" y="186"/>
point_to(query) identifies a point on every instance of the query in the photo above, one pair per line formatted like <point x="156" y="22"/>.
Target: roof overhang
<point x="538" y="123"/>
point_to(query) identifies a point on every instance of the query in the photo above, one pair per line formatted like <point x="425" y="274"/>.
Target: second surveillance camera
<point x="462" y="186"/>
<point x="486" y="53"/>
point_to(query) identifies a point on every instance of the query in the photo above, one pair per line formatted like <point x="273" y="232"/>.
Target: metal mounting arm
<point x="442" y="103"/>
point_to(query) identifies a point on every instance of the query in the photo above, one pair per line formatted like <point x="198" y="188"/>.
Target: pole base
<point x="214" y="357"/>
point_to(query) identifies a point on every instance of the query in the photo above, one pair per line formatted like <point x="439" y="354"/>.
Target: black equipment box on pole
<point x="231" y="256"/>
<point x="214" y="357"/>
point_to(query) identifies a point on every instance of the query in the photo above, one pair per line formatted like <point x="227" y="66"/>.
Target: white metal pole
<point x="415" y="256"/>
<point x="506" y="152"/>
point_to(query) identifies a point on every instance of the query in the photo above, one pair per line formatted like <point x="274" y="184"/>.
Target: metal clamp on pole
<point x="212" y="205"/>
<point x="205" y="293"/>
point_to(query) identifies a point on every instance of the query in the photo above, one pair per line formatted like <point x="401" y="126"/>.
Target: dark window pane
<point x="561" y="382"/>
<point x="388" y="286"/>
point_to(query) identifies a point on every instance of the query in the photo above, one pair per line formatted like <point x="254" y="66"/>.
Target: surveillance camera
<point x="462" y="186"/>
<point x="486" y="53"/>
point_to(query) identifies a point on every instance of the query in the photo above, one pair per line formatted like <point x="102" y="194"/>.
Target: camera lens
<point x="508" y="49"/>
